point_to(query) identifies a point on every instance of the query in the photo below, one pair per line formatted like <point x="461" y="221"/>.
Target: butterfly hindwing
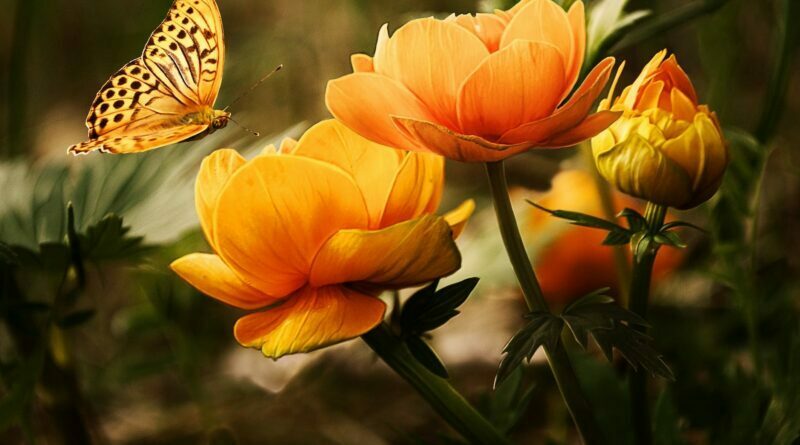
<point x="139" y="143"/>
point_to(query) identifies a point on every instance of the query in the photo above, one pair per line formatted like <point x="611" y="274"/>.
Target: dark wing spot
<point x="171" y="28"/>
<point x="190" y="10"/>
<point x="154" y="52"/>
<point x="118" y="117"/>
<point x="119" y="104"/>
<point x="173" y="46"/>
<point x="110" y="94"/>
<point x="182" y="34"/>
<point x="136" y="84"/>
<point x="185" y="21"/>
<point x="146" y="76"/>
<point x="208" y="34"/>
<point x="191" y="49"/>
<point x="193" y="29"/>
<point x="122" y="81"/>
<point x="103" y="123"/>
<point x="162" y="38"/>
<point x="136" y="70"/>
<point x="123" y="93"/>
<point x="211" y="60"/>
<point x="103" y="108"/>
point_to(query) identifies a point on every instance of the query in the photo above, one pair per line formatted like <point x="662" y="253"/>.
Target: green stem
<point x="578" y="405"/>
<point x="639" y="298"/>
<point x="435" y="390"/>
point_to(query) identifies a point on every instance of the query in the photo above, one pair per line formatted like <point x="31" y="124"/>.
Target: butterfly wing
<point x="145" y="104"/>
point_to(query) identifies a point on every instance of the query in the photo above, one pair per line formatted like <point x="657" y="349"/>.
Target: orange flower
<point x="476" y="88"/>
<point x="314" y="232"/>
<point x="665" y="148"/>
<point x="571" y="260"/>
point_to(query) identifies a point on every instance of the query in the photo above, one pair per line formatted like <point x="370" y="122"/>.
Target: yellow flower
<point x="665" y="148"/>
<point x="476" y="88"/>
<point x="311" y="234"/>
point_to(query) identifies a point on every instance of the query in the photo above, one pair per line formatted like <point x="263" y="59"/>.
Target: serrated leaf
<point x="595" y="297"/>
<point x="634" y="346"/>
<point x="429" y="309"/>
<point x="75" y="319"/>
<point x="109" y="240"/>
<point x="543" y="329"/>
<point x="424" y="354"/>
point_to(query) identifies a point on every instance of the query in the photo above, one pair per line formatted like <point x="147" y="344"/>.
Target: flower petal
<point x="432" y="58"/>
<point x="276" y="212"/>
<point x="372" y="166"/>
<point x="417" y="188"/>
<point x="545" y="22"/>
<point x="365" y="101"/>
<point x="487" y="27"/>
<point x="362" y="63"/>
<point x="211" y="276"/>
<point x="402" y="255"/>
<point x="310" y="319"/>
<point x="520" y="83"/>
<point x="458" y="217"/>
<point x="568" y="115"/>
<point x="590" y="127"/>
<point x="459" y="147"/>
<point x="215" y="171"/>
<point x="577" y="21"/>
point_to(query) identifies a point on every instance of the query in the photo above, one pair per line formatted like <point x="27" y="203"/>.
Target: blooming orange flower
<point x="666" y="148"/>
<point x="476" y="88"/>
<point x="314" y="232"/>
<point x="571" y="260"/>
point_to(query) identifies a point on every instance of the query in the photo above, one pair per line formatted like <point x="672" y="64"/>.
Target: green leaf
<point x="75" y="319"/>
<point x="424" y="354"/>
<point x="543" y="329"/>
<point x="509" y="401"/>
<point x="634" y="346"/>
<point x="636" y="222"/>
<point x="598" y="296"/>
<point x="429" y="309"/>
<point x="581" y="219"/>
<point x="607" y="21"/>
<point x="669" y="239"/>
<point x="109" y="240"/>
<point x="674" y="224"/>
<point x="666" y="430"/>
<point x="7" y="255"/>
<point x="641" y="244"/>
<point x="20" y="393"/>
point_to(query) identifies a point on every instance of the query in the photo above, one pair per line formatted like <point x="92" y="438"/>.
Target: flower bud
<point x="665" y="148"/>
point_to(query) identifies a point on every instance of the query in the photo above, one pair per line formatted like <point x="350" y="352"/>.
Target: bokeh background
<point x="138" y="357"/>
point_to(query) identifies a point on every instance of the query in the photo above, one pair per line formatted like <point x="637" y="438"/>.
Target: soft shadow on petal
<point x="488" y="27"/>
<point x="590" y="127"/>
<point x="276" y="213"/>
<point x="416" y="188"/>
<point x="214" y="173"/>
<point x="568" y="115"/>
<point x="365" y="101"/>
<point x="458" y="147"/>
<point x="211" y="276"/>
<point x="372" y="166"/>
<point x="458" y="217"/>
<point x="521" y="83"/>
<point x="405" y="254"/>
<point x="432" y="58"/>
<point x="311" y="318"/>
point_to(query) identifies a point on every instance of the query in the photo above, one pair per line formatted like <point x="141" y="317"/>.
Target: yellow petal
<point x="521" y="83"/>
<point x="311" y="318"/>
<point x="458" y="217"/>
<point x="405" y="254"/>
<point x="214" y="173"/>
<point x="211" y="276"/>
<point x="417" y="188"/>
<point x="432" y="58"/>
<point x="275" y="214"/>
<point x="361" y="63"/>
<point x="287" y="145"/>
<point x="459" y="147"/>
<point x="365" y="102"/>
<point x="590" y="127"/>
<point x="682" y="107"/>
<point x="372" y="166"/>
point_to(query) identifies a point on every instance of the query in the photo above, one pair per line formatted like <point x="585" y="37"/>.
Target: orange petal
<point x="276" y="212"/>
<point x="405" y="254"/>
<point x="416" y="189"/>
<point x="211" y="276"/>
<point x="458" y="217"/>
<point x="650" y="96"/>
<point x="432" y="58"/>
<point x="455" y="146"/>
<point x="214" y="173"/>
<point x="310" y="319"/>
<point x="520" y="83"/>
<point x="590" y="127"/>
<point x="362" y="63"/>
<point x="372" y="166"/>
<point x="633" y="90"/>
<point x="487" y="27"/>
<point x="679" y="78"/>
<point x="365" y="101"/>
<point x="577" y="21"/>
<point x="569" y="114"/>
<point x="682" y="107"/>
<point x="545" y="22"/>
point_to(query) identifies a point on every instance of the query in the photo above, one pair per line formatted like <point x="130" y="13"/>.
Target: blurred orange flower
<point x="665" y="148"/>
<point x="476" y="88"/>
<point x="571" y="260"/>
<point x="314" y="232"/>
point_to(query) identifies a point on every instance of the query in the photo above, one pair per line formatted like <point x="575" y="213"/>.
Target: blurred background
<point x="123" y="352"/>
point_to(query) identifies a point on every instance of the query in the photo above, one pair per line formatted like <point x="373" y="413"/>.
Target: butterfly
<point x="167" y="95"/>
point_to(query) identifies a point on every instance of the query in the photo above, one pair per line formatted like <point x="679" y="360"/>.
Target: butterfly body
<point x="167" y="94"/>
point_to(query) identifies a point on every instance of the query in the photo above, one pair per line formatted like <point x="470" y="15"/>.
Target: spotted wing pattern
<point x="145" y="104"/>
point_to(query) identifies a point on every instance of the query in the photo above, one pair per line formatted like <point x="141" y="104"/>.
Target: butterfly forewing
<point x="144" y="105"/>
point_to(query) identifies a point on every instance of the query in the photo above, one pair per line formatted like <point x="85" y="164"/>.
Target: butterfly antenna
<point x="255" y="85"/>
<point x="253" y="132"/>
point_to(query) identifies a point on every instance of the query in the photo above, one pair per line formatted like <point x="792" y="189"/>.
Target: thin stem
<point x="639" y="298"/>
<point x="451" y="405"/>
<point x="578" y="405"/>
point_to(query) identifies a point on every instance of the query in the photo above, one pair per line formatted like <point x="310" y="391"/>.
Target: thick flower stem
<point x="577" y="403"/>
<point x="435" y="390"/>
<point x="639" y="298"/>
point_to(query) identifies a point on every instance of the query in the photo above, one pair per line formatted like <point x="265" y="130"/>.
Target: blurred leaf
<point x="666" y="428"/>
<point x="7" y="255"/>
<point x="596" y="311"/>
<point x="429" y="308"/>
<point x="617" y="234"/>
<point x="109" y="240"/>
<point x="75" y="319"/>
<point x="508" y="403"/>
<point x="426" y="356"/>
<point x="21" y="384"/>
<point x="543" y="329"/>
<point x="608" y="21"/>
